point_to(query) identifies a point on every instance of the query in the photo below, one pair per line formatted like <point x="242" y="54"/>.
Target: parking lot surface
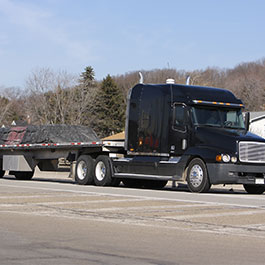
<point x="51" y="220"/>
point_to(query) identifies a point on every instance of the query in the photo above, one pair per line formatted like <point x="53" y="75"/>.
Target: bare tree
<point x="11" y="105"/>
<point x="49" y="96"/>
<point x="247" y="81"/>
<point x="59" y="97"/>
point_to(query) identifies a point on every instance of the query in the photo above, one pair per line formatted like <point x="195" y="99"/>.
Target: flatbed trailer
<point x="19" y="157"/>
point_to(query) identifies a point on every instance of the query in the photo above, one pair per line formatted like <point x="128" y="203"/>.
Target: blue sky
<point x="115" y="36"/>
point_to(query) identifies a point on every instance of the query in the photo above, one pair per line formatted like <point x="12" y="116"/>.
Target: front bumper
<point x="235" y="174"/>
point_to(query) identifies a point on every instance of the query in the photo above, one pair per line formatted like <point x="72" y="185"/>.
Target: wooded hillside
<point x="61" y="98"/>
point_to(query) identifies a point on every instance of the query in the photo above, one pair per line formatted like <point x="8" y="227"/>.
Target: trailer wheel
<point x="254" y="189"/>
<point x="103" y="172"/>
<point x="197" y="176"/>
<point x="22" y="175"/>
<point x="84" y="170"/>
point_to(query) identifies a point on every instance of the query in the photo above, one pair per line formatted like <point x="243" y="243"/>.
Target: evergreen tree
<point x="109" y="109"/>
<point x="88" y="76"/>
<point x="84" y="96"/>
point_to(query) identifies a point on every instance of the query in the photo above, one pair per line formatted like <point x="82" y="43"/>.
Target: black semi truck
<point x="189" y="133"/>
<point x="173" y="132"/>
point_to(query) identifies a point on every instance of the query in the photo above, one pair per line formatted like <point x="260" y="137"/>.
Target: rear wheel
<point x="103" y="172"/>
<point x="254" y="189"/>
<point x="22" y="175"/>
<point x="197" y="176"/>
<point x="84" y="170"/>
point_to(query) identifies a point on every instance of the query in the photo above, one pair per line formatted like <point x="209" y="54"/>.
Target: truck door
<point x="178" y="139"/>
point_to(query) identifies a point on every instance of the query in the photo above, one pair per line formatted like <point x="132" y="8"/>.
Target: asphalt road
<point x="53" y="221"/>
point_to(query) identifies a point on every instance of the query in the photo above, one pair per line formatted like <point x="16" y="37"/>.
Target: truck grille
<point x="252" y="152"/>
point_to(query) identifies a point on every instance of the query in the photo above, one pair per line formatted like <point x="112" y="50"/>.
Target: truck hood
<point x="225" y="140"/>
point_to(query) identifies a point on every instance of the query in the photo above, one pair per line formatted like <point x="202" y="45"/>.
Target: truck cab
<point x="189" y="133"/>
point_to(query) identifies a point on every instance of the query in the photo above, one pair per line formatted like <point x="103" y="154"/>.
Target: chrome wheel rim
<point x="196" y="176"/>
<point x="81" y="170"/>
<point x="100" y="171"/>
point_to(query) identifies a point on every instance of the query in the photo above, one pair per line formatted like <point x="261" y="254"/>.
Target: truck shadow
<point x="219" y="189"/>
<point x="216" y="190"/>
<point x="43" y="179"/>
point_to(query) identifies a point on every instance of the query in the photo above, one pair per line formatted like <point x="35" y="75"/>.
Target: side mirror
<point x="247" y="120"/>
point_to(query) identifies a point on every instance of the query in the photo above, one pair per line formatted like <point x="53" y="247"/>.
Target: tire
<point x="197" y="176"/>
<point x="22" y="175"/>
<point x="103" y="172"/>
<point x="2" y="173"/>
<point x="254" y="189"/>
<point x="154" y="184"/>
<point x="84" y="170"/>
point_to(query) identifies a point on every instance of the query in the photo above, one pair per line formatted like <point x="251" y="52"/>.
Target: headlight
<point x="226" y="158"/>
<point x="233" y="159"/>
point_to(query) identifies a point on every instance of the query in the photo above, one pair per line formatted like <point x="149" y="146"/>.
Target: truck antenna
<point x="141" y="80"/>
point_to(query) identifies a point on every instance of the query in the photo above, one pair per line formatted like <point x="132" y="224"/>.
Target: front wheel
<point x="254" y="189"/>
<point x="197" y="176"/>
<point x="103" y="172"/>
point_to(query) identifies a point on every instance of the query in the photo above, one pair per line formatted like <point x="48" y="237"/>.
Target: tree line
<point x="51" y="97"/>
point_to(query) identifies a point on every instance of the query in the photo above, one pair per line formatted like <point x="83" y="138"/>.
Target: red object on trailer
<point x="16" y="134"/>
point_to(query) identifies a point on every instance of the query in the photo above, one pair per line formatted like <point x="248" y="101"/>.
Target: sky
<point x="119" y="36"/>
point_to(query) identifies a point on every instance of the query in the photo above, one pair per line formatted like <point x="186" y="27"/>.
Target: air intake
<point x="252" y="152"/>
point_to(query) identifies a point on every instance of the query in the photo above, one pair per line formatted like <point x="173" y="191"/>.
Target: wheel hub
<point x="100" y="171"/>
<point x="81" y="170"/>
<point x="196" y="176"/>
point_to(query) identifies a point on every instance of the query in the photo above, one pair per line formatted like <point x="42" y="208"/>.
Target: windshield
<point x="218" y="117"/>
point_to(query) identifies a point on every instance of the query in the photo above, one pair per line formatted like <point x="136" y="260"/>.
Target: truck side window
<point x="179" y="117"/>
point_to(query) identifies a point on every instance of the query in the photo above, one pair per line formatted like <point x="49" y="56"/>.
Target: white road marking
<point x="67" y="202"/>
<point x="240" y="196"/>
<point x="146" y="208"/>
<point x="209" y="215"/>
<point x="41" y="196"/>
<point x="260" y="226"/>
